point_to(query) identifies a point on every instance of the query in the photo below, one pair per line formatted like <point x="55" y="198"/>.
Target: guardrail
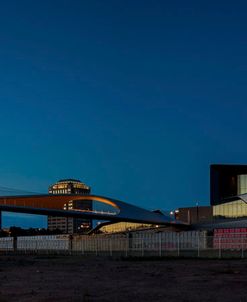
<point x="160" y="244"/>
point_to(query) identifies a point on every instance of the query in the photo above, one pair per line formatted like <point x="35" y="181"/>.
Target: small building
<point x="194" y="215"/>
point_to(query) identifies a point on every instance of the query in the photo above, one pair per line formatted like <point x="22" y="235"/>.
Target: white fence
<point x="140" y="244"/>
<point x="43" y="243"/>
<point x="6" y="244"/>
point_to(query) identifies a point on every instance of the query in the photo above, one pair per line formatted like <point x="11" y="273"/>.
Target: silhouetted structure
<point x="227" y="181"/>
<point x="194" y="215"/>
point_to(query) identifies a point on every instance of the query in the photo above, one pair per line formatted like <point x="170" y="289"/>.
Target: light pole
<point x="171" y="215"/>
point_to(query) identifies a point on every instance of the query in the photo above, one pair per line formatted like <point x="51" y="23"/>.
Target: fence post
<point x="82" y="246"/>
<point x="130" y="243"/>
<point x="70" y="244"/>
<point x="160" y="245"/>
<point x="219" y="247"/>
<point x="242" y="254"/>
<point x="96" y="246"/>
<point x="142" y="247"/>
<point x="127" y="245"/>
<point x="15" y="244"/>
<point x="198" y="245"/>
<point x="111" y="247"/>
<point x="178" y="247"/>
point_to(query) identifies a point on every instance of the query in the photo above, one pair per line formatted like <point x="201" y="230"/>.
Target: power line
<point x="16" y="191"/>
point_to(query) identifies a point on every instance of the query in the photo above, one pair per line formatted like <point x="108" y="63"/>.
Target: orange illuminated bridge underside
<point x="55" y="205"/>
<point x="55" y="202"/>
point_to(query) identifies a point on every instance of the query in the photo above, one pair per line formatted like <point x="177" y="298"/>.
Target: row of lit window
<point x="57" y="222"/>
<point x="55" y="187"/>
<point x="60" y="222"/>
<point x="232" y="209"/>
<point x="65" y="186"/>
<point x="60" y="219"/>
<point x="81" y="186"/>
<point x="60" y="191"/>
<point x="122" y="226"/>
<point x="242" y="184"/>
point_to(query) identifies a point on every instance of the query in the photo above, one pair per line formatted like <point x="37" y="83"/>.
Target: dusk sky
<point x="135" y="98"/>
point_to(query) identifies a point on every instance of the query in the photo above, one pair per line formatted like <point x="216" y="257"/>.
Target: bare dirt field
<point x="67" y="278"/>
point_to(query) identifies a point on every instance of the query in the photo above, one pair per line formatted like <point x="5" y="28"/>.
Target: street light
<point x="171" y="215"/>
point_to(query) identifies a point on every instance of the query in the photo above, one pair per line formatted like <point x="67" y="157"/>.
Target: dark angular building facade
<point x="227" y="183"/>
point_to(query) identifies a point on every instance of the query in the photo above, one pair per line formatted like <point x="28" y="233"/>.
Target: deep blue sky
<point x="135" y="98"/>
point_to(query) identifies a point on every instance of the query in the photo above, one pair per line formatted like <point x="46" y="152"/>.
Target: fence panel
<point x="140" y="244"/>
<point x="6" y="244"/>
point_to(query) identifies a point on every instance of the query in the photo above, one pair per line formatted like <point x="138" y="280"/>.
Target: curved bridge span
<point x="53" y="205"/>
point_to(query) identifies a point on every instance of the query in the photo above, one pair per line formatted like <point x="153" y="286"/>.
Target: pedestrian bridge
<point x="57" y="205"/>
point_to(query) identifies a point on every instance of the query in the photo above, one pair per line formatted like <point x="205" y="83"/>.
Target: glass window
<point x="242" y="184"/>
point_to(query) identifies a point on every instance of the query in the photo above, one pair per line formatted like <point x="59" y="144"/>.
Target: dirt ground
<point x="67" y="278"/>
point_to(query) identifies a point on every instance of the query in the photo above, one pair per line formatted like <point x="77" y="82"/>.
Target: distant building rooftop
<point x="69" y="186"/>
<point x="69" y="180"/>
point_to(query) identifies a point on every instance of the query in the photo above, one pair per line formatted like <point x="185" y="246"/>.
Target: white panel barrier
<point x="6" y="244"/>
<point x="148" y="243"/>
<point x="41" y="243"/>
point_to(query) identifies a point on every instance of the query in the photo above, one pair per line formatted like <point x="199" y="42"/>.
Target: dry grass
<point x="29" y="278"/>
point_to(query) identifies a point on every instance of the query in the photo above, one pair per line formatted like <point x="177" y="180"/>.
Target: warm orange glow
<point x="50" y="201"/>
